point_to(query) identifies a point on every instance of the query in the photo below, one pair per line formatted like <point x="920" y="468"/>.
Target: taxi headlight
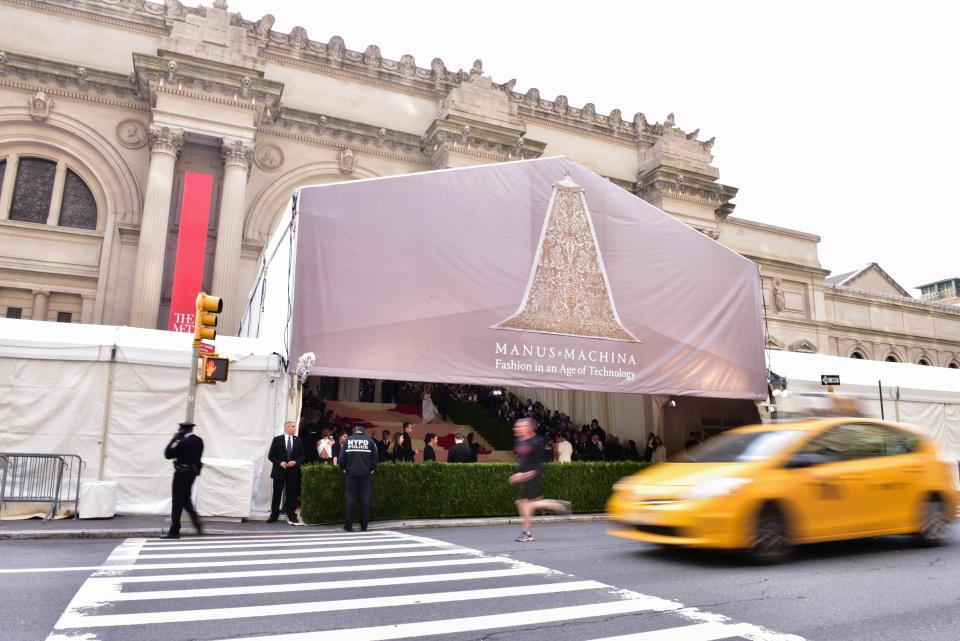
<point x="717" y="487"/>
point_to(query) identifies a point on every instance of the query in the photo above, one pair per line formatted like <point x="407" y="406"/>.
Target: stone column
<point x="236" y="166"/>
<point x="86" y="312"/>
<point x="165" y="144"/>
<point x="41" y="302"/>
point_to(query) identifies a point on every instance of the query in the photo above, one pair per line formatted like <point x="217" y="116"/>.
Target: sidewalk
<point x="150" y="526"/>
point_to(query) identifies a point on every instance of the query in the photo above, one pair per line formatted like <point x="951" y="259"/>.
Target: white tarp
<point x="56" y="397"/>
<point x="928" y="397"/>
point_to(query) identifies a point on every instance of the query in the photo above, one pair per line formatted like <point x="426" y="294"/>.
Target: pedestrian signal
<point x="214" y="369"/>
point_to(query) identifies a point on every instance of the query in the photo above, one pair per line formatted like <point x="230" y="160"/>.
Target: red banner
<point x="191" y="247"/>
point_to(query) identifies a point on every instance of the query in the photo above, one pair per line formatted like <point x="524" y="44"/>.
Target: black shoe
<point x="170" y="534"/>
<point x="293" y="520"/>
<point x="347" y="528"/>
<point x="363" y="528"/>
<point x="273" y="518"/>
<point x="199" y="529"/>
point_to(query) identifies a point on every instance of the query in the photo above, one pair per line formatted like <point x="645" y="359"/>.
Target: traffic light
<point x="205" y="323"/>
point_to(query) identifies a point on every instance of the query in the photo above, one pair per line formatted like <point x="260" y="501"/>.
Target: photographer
<point x="186" y="450"/>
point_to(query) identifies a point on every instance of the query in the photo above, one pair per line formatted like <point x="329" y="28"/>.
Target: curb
<point x="153" y="532"/>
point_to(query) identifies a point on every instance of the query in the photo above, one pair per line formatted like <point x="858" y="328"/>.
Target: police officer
<point x="358" y="460"/>
<point x="186" y="449"/>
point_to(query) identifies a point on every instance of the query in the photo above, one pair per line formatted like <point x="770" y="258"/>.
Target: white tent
<point x="114" y="396"/>
<point x="928" y="397"/>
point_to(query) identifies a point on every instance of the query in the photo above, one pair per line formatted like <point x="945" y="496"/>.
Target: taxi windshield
<point x="740" y="447"/>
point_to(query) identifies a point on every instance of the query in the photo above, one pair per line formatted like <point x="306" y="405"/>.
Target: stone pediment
<point x="804" y="346"/>
<point x="871" y="278"/>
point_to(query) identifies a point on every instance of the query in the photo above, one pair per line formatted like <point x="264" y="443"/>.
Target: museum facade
<point x="105" y="105"/>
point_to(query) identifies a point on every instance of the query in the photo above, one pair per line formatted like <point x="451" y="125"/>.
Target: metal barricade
<point x="41" y="478"/>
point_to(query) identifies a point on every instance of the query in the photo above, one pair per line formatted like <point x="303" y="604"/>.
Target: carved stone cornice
<point x="61" y="79"/>
<point x="225" y="84"/>
<point x="165" y="140"/>
<point x="367" y="66"/>
<point x="133" y="15"/>
<point x="456" y="134"/>
<point x="238" y="153"/>
<point x="666" y="182"/>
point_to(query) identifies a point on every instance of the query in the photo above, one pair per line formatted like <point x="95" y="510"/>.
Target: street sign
<point x="207" y="348"/>
<point x="829" y="379"/>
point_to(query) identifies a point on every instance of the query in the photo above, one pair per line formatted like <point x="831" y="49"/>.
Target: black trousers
<point x="288" y="485"/>
<point x="182" y="489"/>
<point x="357" y="487"/>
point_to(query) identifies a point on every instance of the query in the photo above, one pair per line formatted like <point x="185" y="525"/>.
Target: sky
<point x="834" y="118"/>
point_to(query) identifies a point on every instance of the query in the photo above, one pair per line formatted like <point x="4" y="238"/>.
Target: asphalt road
<point x="459" y="584"/>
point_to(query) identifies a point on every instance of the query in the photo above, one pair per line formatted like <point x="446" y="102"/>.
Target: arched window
<point x="857" y="355"/>
<point x="79" y="209"/>
<point x="46" y="191"/>
<point x="923" y="361"/>
<point x="953" y="365"/>
<point x="892" y="359"/>
<point x="33" y="190"/>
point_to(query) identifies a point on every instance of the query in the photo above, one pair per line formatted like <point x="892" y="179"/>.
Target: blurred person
<point x="325" y="448"/>
<point x="407" y="453"/>
<point x="648" y="447"/>
<point x="427" y="409"/>
<point x="593" y="451"/>
<point x="338" y="446"/>
<point x="382" y="444"/>
<point x="528" y="477"/>
<point x="630" y="451"/>
<point x="562" y="449"/>
<point x="459" y="453"/>
<point x="186" y="450"/>
<point x="395" y="448"/>
<point x="659" y="451"/>
<point x="286" y="455"/>
<point x="428" y="452"/>
<point x="596" y="429"/>
<point x="474" y="447"/>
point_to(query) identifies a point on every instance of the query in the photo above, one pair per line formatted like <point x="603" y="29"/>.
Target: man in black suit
<point x="406" y="443"/>
<point x="186" y="450"/>
<point x="286" y="454"/>
<point x="460" y="452"/>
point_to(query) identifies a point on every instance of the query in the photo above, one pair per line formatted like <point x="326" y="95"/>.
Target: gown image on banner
<point x="568" y="292"/>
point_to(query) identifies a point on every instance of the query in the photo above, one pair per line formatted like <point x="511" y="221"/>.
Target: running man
<point x="528" y="476"/>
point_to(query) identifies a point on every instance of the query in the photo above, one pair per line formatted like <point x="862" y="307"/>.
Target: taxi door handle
<point x="913" y="470"/>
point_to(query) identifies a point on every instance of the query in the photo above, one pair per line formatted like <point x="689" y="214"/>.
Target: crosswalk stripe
<point x="279" y="544"/>
<point x="241" y="537"/>
<point x="369" y="567"/>
<point x="310" y="559"/>
<point x="311" y="550"/>
<point x="109" y="589"/>
<point x="73" y="617"/>
<point x="710" y="631"/>
<point x="207" y="540"/>
<point x="472" y="624"/>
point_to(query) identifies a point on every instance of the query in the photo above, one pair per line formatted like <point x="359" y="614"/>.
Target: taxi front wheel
<point x="771" y="537"/>
<point x="933" y="522"/>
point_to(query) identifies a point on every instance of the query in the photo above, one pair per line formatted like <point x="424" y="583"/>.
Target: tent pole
<point x="107" y="410"/>
<point x="880" y="387"/>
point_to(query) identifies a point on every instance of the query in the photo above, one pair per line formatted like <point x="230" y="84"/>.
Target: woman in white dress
<point x="428" y="409"/>
<point x="659" y="451"/>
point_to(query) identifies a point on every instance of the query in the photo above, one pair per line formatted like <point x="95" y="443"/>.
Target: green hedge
<point x="444" y="490"/>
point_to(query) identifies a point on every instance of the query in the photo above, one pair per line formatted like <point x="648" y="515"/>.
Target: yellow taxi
<point x="766" y="488"/>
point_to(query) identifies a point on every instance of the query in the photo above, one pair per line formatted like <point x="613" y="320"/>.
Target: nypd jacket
<point x="358" y="457"/>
